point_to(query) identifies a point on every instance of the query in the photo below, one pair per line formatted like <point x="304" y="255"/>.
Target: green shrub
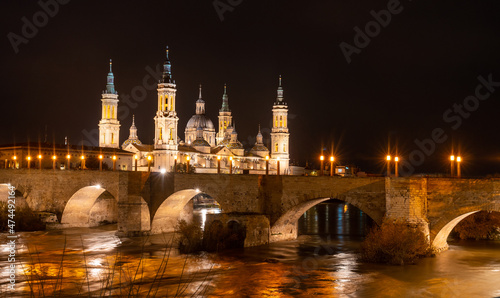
<point x="480" y="225"/>
<point x="394" y="243"/>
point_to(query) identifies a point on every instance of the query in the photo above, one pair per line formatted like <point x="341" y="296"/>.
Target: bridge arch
<point x="90" y="206"/>
<point x="171" y="210"/>
<point x="285" y="228"/>
<point x="442" y="229"/>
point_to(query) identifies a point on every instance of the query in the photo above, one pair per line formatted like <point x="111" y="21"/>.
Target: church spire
<point x="110" y="82"/>
<point x="279" y="99"/>
<point x="225" y="101"/>
<point x="167" y="69"/>
<point x="200" y="105"/>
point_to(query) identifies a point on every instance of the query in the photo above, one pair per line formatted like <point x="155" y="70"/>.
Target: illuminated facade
<point x="109" y="126"/>
<point x="205" y="150"/>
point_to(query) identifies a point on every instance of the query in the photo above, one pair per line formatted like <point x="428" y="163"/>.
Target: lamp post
<point x="54" y="162"/>
<point x="68" y="158"/>
<point x="29" y="161"/>
<point x="149" y="163"/>
<point x="14" y="162"/>
<point x="188" y="158"/>
<point x="175" y="164"/>
<point x="230" y="164"/>
<point x="332" y="159"/>
<point x="83" y="161"/>
<point x="40" y="161"/>
<point x="267" y="165"/>
<point x="278" y="165"/>
<point x="322" y="158"/>
<point x="100" y="162"/>
<point x="114" y="162"/>
<point x="459" y="160"/>
<point x="396" y="170"/>
<point x="388" y="158"/>
<point x="452" y="163"/>
<point x="218" y="164"/>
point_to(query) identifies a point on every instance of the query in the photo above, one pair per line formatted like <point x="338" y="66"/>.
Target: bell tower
<point x="109" y="126"/>
<point x="279" y="133"/>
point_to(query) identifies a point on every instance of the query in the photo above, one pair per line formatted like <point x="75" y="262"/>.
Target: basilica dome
<point x="200" y="120"/>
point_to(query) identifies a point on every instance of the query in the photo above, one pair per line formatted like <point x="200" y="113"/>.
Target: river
<point x="323" y="261"/>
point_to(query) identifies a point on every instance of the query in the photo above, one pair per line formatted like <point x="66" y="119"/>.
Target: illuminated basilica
<point x="203" y="149"/>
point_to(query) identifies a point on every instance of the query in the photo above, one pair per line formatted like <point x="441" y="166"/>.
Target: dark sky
<point x="396" y="89"/>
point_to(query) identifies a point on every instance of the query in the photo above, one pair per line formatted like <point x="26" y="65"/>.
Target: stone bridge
<point x="153" y="202"/>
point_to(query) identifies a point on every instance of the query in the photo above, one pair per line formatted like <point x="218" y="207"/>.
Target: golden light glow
<point x="332" y="158"/>
<point x="39" y="156"/>
<point x="100" y="156"/>
<point x="188" y="158"/>
<point x="459" y="159"/>
<point x="452" y="157"/>
<point x="14" y="157"/>
<point x="68" y="156"/>
<point x="322" y="157"/>
<point x="175" y="157"/>
<point x="28" y="158"/>
<point x="230" y="158"/>
<point x="388" y="157"/>
<point x="114" y="157"/>
<point x="82" y="157"/>
<point x="149" y="157"/>
<point x="267" y="157"/>
<point x="218" y="157"/>
<point x="54" y="157"/>
<point x="396" y="159"/>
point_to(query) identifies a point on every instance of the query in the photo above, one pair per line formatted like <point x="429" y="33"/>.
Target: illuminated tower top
<point x="225" y="101"/>
<point x="167" y="69"/>
<point x="110" y="84"/>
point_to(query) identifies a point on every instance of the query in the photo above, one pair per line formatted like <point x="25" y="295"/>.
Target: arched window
<point x="276" y="147"/>
<point x="275" y="121"/>
<point x="281" y="121"/>
<point x="113" y="112"/>
<point x="161" y="134"/>
<point x="112" y="138"/>
<point x="284" y="147"/>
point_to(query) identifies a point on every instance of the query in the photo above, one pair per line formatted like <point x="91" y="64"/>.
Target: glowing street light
<point x="332" y="159"/>
<point x="40" y="160"/>
<point x="54" y="162"/>
<point x="188" y="158"/>
<point x="459" y="160"/>
<point x="267" y="165"/>
<point x="29" y="161"/>
<point x="452" y="163"/>
<point x="100" y="162"/>
<point x="83" y="162"/>
<point x="396" y="161"/>
<point x="68" y="158"/>
<point x="388" y="158"/>
<point x="322" y="158"/>
<point x="149" y="163"/>
<point x="218" y="164"/>
<point x="230" y="164"/>
<point x="114" y="162"/>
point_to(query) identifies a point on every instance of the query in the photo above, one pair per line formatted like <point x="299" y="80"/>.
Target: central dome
<point x="199" y="121"/>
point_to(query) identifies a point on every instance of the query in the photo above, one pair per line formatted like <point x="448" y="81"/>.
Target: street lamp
<point x="218" y="164"/>
<point x="267" y="165"/>
<point x="40" y="160"/>
<point x="54" y="162"/>
<point x="388" y="158"/>
<point x="175" y="163"/>
<point x="83" y="161"/>
<point x="459" y="160"/>
<point x="100" y="162"/>
<point x="332" y="159"/>
<point x="68" y="157"/>
<point x="14" y="158"/>
<point x="396" y="161"/>
<point x="149" y="163"/>
<point x="29" y="161"/>
<point x="188" y="158"/>
<point x="452" y="163"/>
<point x="114" y="162"/>
<point x="278" y="165"/>
<point x="230" y="164"/>
<point x="322" y="158"/>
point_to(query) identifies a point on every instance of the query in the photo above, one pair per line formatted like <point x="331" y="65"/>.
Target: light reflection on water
<point x="317" y="263"/>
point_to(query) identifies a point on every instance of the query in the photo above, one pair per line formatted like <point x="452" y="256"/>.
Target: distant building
<point x="202" y="146"/>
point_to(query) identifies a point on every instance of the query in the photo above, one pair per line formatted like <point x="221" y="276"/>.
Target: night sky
<point x="395" y="89"/>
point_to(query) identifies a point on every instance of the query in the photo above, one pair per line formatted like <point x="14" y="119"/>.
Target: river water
<point x="323" y="261"/>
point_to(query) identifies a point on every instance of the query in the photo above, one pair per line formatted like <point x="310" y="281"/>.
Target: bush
<point x="190" y="236"/>
<point x="480" y="225"/>
<point x="394" y="243"/>
<point x="25" y="220"/>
